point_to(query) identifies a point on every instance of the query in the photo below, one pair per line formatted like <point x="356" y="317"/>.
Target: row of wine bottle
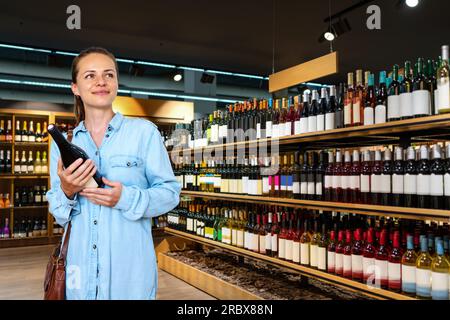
<point x="403" y="256"/>
<point x="25" y="196"/>
<point x="421" y="90"/>
<point x="415" y="177"/>
<point x="39" y="165"/>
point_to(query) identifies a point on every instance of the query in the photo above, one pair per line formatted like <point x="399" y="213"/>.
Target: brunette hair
<point x="78" y="104"/>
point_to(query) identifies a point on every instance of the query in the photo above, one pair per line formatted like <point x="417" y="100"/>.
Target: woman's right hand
<point x="74" y="177"/>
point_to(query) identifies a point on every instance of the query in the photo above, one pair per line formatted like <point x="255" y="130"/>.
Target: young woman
<point x="111" y="253"/>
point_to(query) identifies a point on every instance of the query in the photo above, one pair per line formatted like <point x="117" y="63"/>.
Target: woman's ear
<point x="74" y="88"/>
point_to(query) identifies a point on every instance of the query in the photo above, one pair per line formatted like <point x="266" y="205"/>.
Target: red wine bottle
<point x="348" y="255"/>
<point x="423" y="179"/>
<point x="375" y="182"/>
<point x="355" y="183"/>
<point x="70" y="153"/>
<point x="337" y="178"/>
<point x="394" y="265"/>
<point x="346" y="177"/>
<point x="386" y="175"/>
<point x="437" y="179"/>
<point x="447" y="179"/>
<point x="369" y="258"/>
<point x="398" y="175"/>
<point x="357" y="251"/>
<point x="275" y="231"/>
<point x="366" y="172"/>
<point x="339" y="269"/>
<point x="410" y="181"/>
<point x="331" y="253"/>
<point x="381" y="261"/>
<point x="329" y="177"/>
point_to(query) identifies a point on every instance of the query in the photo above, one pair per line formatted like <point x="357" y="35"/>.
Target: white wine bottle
<point x="443" y="83"/>
<point x="70" y="153"/>
<point x="440" y="268"/>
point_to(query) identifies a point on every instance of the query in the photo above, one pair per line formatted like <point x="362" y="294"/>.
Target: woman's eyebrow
<point x="107" y="70"/>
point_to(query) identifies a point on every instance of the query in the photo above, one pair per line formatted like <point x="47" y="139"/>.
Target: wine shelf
<point x="322" y="276"/>
<point x="23" y="176"/>
<point x="389" y="132"/>
<point x="31" y="241"/>
<point x="398" y="212"/>
<point x="31" y="144"/>
<point x="29" y="207"/>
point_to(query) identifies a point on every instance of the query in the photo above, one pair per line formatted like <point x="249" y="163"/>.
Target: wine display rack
<point x="372" y="292"/>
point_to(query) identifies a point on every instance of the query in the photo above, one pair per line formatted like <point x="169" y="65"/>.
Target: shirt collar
<point x="114" y="124"/>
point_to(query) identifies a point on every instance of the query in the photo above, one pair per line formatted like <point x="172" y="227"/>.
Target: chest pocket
<point x="128" y="170"/>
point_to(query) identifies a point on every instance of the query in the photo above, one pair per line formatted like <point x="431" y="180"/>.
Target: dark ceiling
<point x="231" y="35"/>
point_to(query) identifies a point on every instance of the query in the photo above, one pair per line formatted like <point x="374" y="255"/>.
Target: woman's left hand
<point x="101" y="196"/>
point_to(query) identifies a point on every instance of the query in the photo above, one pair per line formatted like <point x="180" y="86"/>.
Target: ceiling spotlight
<point x="412" y="3"/>
<point x="177" y="77"/>
<point x="329" y="36"/>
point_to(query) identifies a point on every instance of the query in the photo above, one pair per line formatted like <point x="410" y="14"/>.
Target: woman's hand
<point x="74" y="178"/>
<point x="104" y="197"/>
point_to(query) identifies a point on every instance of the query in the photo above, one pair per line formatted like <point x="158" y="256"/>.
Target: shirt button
<point x="128" y="164"/>
<point x="94" y="247"/>
<point x="107" y="135"/>
<point x="96" y="153"/>
<point x="95" y="222"/>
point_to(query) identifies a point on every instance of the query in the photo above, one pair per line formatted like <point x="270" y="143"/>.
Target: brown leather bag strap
<point x="65" y="246"/>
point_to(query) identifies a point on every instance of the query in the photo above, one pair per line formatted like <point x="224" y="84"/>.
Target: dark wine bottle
<point x="437" y="179"/>
<point x="398" y="178"/>
<point x="70" y="153"/>
<point x="423" y="179"/>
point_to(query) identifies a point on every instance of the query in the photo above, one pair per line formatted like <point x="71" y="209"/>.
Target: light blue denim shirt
<point x="111" y="253"/>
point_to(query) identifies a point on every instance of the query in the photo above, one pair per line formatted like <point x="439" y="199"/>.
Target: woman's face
<point x="97" y="82"/>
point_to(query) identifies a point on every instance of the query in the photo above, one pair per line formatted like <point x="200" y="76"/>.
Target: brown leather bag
<point x="55" y="275"/>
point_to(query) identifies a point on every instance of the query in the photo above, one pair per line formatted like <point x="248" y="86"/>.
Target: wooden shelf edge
<point x="411" y="213"/>
<point x="394" y="127"/>
<point x="323" y="276"/>
<point x="204" y="281"/>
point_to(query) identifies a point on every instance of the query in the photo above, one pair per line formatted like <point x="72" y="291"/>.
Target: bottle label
<point x="318" y="188"/>
<point x="234" y="237"/>
<point x="322" y="258"/>
<point x="328" y="182"/>
<point x="246" y="240"/>
<point x="258" y="131"/>
<point x="421" y="102"/>
<point x="439" y="285"/>
<point x="275" y="131"/>
<point x="32" y="138"/>
<point x="348" y="112"/>
<point x="345" y="180"/>
<point x="313" y="254"/>
<point x="443" y="94"/>
<point x="265" y="185"/>
<point x="262" y="244"/>
<point x="288" y="128"/>
<point x="304" y="253"/>
<point x="339" y="262"/>
<point x="410" y="184"/>
<point x="380" y="114"/>
<point x="368" y="116"/>
<point x="277" y="183"/>
<point x="385" y="183"/>
<point x="226" y="235"/>
<point x="223" y="131"/>
<point x="347" y="264"/>
<point x="268" y="129"/>
<point x="312" y="123"/>
<point x="268" y="240"/>
<point x="217" y="182"/>
<point x="375" y="183"/>
<point x="274" y="242"/>
<point x="331" y="257"/>
<point x="423" y="184"/>
<point x="397" y="184"/>
<point x="368" y="269"/>
<point x="304" y="125"/>
<point x="357" y="264"/>
<point x="296" y="187"/>
<point x="320" y="122"/>
<point x="436" y="185"/>
<point x="17" y="168"/>
<point x="357" y="111"/>
<point x="394" y="272"/>
<point x="284" y="182"/>
<point x="423" y="282"/>
<point x="311" y="188"/>
<point x="447" y="185"/>
<point x="393" y="107"/>
<point x="281" y="129"/>
<point x="296" y="252"/>
<point x="290" y="183"/>
<point x="255" y="242"/>
<point x="408" y="278"/>
<point x="381" y="266"/>
<point x="282" y="246"/>
<point x="297" y="127"/>
<point x="245" y="185"/>
<point x="337" y="182"/>
<point x="329" y="121"/>
<point x="288" y="248"/>
<point x="189" y="224"/>
<point x="354" y="183"/>
<point x="37" y="199"/>
<point x="406" y="104"/>
<point x="23" y="168"/>
<point x="365" y="183"/>
<point x="303" y="188"/>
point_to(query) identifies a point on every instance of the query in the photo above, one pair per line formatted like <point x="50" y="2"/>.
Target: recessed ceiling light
<point x="412" y="3"/>
<point x="177" y="77"/>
